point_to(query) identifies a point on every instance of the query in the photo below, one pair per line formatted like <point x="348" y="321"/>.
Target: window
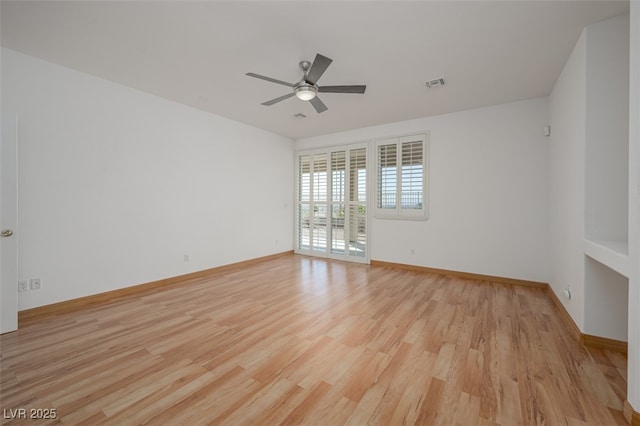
<point x="402" y="177"/>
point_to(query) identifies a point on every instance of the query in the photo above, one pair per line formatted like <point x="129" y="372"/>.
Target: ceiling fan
<point x="307" y="88"/>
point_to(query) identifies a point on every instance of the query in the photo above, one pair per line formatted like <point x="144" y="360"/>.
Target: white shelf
<point x="611" y="253"/>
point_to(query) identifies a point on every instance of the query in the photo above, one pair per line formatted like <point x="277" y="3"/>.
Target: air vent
<point x="299" y="115"/>
<point x="436" y="82"/>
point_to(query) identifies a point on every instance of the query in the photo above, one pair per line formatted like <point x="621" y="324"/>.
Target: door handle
<point x="6" y="233"/>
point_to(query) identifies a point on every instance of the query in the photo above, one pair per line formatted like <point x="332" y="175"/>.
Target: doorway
<point x="331" y="201"/>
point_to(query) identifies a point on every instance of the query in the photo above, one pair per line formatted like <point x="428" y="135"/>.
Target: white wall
<point x="116" y="186"/>
<point x="607" y="172"/>
<point x="567" y="111"/>
<point x="487" y="192"/>
<point x="589" y="174"/>
<point x="606" y="295"/>
<point x="607" y="130"/>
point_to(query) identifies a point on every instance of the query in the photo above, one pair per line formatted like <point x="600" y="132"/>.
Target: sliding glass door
<point x="331" y="215"/>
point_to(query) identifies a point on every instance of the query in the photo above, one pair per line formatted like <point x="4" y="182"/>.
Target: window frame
<point x="398" y="212"/>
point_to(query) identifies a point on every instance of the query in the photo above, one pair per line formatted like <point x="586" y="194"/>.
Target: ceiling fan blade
<point x="273" y="80"/>
<point x="342" y="89"/>
<point x="318" y="105"/>
<point x="319" y="66"/>
<point x="278" y="99"/>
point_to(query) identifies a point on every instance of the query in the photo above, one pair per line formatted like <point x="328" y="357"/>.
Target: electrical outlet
<point x="35" y="283"/>
<point x="23" y="285"/>
<point x="186" y="257"/>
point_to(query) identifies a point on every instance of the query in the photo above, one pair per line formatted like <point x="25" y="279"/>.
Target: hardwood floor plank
<point x="332" y="411"/>
<point x="300" y="340"/>
<point x="430" y="407"/>
<point x="158" y="399"/>
<point x="364" y="373"/>
<point x="394" y="379"/>
<point x="468" y="411"/>
<point x="408" y="408"/>
<point x="298" y="415"/>
<point x="282" y="406"/>
<point x="251" y="410"/>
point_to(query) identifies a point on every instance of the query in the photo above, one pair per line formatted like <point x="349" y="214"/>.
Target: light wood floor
<point x="303" y="340"/>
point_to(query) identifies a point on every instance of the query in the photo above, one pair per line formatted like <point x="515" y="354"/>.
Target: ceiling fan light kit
<point x="307" y="89"/>
<point x="305" y="92"/>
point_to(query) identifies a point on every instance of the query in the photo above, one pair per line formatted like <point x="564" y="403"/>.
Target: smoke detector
<point x="436" y="82"/>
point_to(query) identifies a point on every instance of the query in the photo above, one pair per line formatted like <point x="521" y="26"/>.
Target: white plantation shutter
<point x="411" y="175"/>
<point x="358" y="175"/>
<point x="357" y="224"/>
<point x="304" y="201"/>
<point x="387" y="176"/>
<point x="402" y="177"/>
<point x="304" y="177"/>
<point x="320" y="177"/>
<point x="338" y="178"/>
<point x="338" y="196"/>
<point x="320" y="191"/>
<point x="331" y="200"/>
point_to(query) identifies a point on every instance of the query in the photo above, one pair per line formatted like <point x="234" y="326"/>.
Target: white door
<point x="331" y="215"/>
<point x="8" y="225"/>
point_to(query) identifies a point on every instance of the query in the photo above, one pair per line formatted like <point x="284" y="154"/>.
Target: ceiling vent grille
<point x="436" y="82"/>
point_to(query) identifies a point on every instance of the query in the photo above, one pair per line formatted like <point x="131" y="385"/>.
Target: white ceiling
<point x="197" y="53"/>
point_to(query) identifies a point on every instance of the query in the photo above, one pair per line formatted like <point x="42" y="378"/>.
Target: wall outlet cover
<point x="35" y="283"/>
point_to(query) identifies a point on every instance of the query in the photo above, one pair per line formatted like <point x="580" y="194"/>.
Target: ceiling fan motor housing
<point x="305" y="65"/>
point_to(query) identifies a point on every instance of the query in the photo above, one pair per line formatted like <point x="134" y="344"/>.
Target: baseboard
<point x="586" y="339"/>
<point x="604" y="343"/>
<point x="458" y="274"/>
<point x="632" y="416"/>
<point x="564" y="315"/>
<point x="100" y="298"/>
